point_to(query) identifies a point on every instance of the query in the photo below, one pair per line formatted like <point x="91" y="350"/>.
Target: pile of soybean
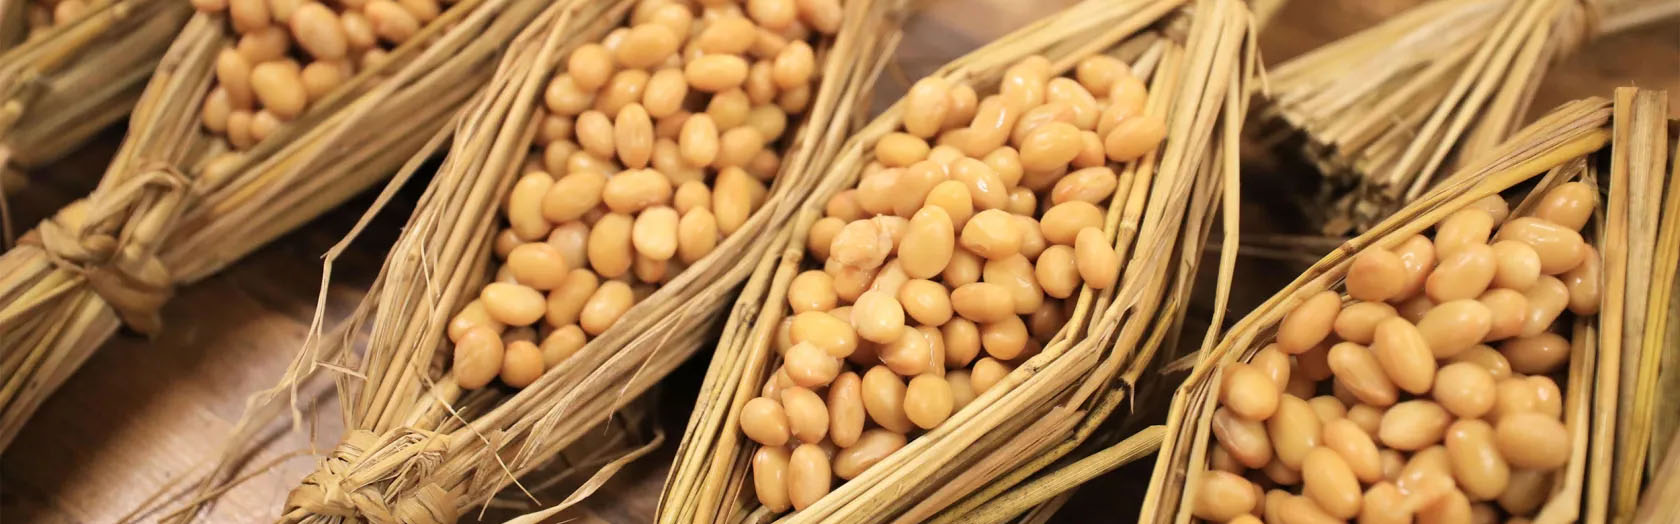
<point x="955" y="257"/>
<point x="291" y="53"/>
<point x="1431" y="391"/>
<point x="655" y="144"/>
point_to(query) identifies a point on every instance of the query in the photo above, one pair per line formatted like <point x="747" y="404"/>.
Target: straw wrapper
<point x="1389" y="111"/>
<point x="1196" y="58"/>
<point x="61" y="86"/>
<point x="1553" y="147"/>
<point x="173" y="208"/>
<point x="423" y="449"/>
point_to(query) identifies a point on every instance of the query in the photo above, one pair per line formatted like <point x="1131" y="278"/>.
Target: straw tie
<point x="360" y="476"/>
<point x="118" y="258"/>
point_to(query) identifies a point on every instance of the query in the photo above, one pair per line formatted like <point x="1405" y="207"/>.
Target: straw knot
<point x="376" y="480"/>
<point x="111" y="239"/>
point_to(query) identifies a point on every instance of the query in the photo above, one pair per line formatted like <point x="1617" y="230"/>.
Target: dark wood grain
<point x="144" y="414"/>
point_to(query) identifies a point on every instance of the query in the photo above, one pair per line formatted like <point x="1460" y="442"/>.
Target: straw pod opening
<point x="1440" y="367"/>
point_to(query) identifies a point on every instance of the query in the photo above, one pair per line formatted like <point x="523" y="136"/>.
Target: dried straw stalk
<point x="1553" y="147"/>
<point x="61" y="87"/>
<point x="164" y="214"/>
<point x="1158" y="218"/>
<point x="1386" y="111"/>
<point x="420" y="448"/>
<point x="1640" y="261"/>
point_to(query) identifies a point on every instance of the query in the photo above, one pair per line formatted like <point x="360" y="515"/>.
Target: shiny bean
<point x="928" y="401"/>
<point x="845" y="411"/>
<point x="1569" y="205"/>
<point x="1294" y="430"/>
<point x="606" y="306"/>
<point x="987" y="372"/>
<point x="1222" y="496"/>
<point x="1330" y="483"/>
<point x="561" y="344"/>
<point x="1465" y="389"/>
<point x="810" y="366"/>
<point x="875" y="444"/>
<point x="1465" y="273"/>
<point x="1404" y="354"/>
<point x="1546" y="300"/>
<point x="1585" y="284"/>
<point x="1517" y="265"/>
<point x="1309" y="323"/>
<point x="1559" y="248"/>
<point x="1358" y="369"/>
<point x="1358" y="452"/>
<point x="1508" y="311"/>
<point x="1248" y="392"/>
<point x="715" y="73"/>
<point x="962" y="342"/>
<point x="808" y="475"/>
<point x="926" y="106"/>
<point x="1134" y="137"/>
<point x="765" y="421"/>
<point x="1413" y="425"/>
<point x="1539" y="354"/>
<point x="1476" y="462"/>
<point x="1358" y="321"/>
<point x="1452" y="327"/>
<point x="697" y="235"/>
<point x="1384" y="504"/>
<point x="883" y="399"/>
<point x="807" y="416"/>
<point x="1062" y="223"/>
<point x="1527" y="490"/>
<point x="1376" y="275"/>
<point x="770" y="474"/>
<point x="1418" y="255"/>
<point x="1464" y="228"/>
<point x="929" y="241"/>
<point x="1096" y="259"/>
<point x="1533" y="440"/>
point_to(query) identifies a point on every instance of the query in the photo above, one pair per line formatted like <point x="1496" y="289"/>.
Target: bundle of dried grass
<point x="1638" y="384"/>
<point x="425" y="447"/>
<point x="175" y="206"/>
<point x="67" y="82"/>
<point x="1388" y="111"/>
<point x="1556" y="149"/>
<point x="1197" y="59"/>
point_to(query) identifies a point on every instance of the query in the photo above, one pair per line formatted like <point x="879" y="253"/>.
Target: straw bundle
<point x="1562" y="147"/>
<point x="1197" y="59"/>
<point x="1388" y="110"/>
<point x="1635" y="413"/>
<point x="68" y="82"/>
<point x="174" y="206"/>
<point x="424" y="446"/>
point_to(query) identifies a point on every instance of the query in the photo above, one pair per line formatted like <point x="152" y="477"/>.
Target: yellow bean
<point x="1404" y="355"/>
<point x="1517" y="265"/>
<point x="807" y="416"/>
<point x="1466" y="227"/>
<point x="1451" y="508"/>
<point x="561" y="344"/>
<point x="697" y="235"/>
<point x="986" y="373"/>
<point x="1476" y="461"/>
<point x="928" y="401"/>
<point x="810" y="366"/>
<point x="1452" y="327"/>
<point x="1330" y="483"/>
<point x="1057" y="271"/>
<point x="478" y="357"/>
<point x="1015" y="274"/>
<point x="1357" y="450"/>
<point x="1559" y="248"/>
<point x="873" y="446"/>
<point x="883" y="399"/>
<point x="1293" y="429"/>
<point x="647" y="45"/>
<point x="878" y="317"/>
<point x="1384" y="504"/>
<point x="565" y="303"/>
<point x="715" y="73"/>
<point x="512" y="304"/>
<point x="1417" y="254"/>
<point x="1465" y="389"/>
<point x="1309" y="323"/>
<point x="1222" y="496"/>
<point x="572" y="195"/>
<point x="1528" y="489"/>
<point x="1358" y="370"/>
<point x="770" y="474"/>
<point x="1062" y="223"/>
<point x="1134" y="137"/>
<point x="1508" y="310"/>
<point x="1302" y="510"/>
<point x="522" y="364"/>
<point x="1376" y="275"/>
<point x="1413" y="425"/>
<point x="1585" y="284"/>
<point x="993" y="234"/>
<point x="1568" y="205"/>
<point x="808" y="475"/>
<point x="1248" y="392"/>
<point x="317" y="30"/>
<point x="845" y="410"/>
<point x="1533" y="440"/>
<point x="927" y="105"/>
<point x="1487" y="358"/>
<point x="1050" y="146"/>
<point x="1546" y="300"/>
<point x="1465" y="273"/>
<point x="1358" y="321"/>
<point x="390" y="21"/>
<point x="1098" y="263"/>
<point x="1536" y="355"/>
<point x="606" y="306"/>
<point x="471" y="316"/>
<point x="538" y="265"/>
<point x="633" y="136"/>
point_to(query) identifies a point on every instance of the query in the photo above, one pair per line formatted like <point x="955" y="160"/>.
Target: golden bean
<point x="1466" y="227"/>
<point x="1508" y="310"/>
<point x="962" y="341"/>
<point x="1050" y="146"/>
<point x="993" y="234"/>
<point x="471" y="316"/>
<point x="1476" y="462"/>
<point x="845" y="410"/>
<point x="1098" y="262"/>
<point x="654" y="234"/>
<point x="697" y="235"/>
<point x="728" y="35"/>
<point x="1358" y="321"/>
<point x="538" y="265"/>
<point x="478" y="357"/>
<point x="962" y="391"/>
<point x="928" y="401"/>
<point x="883" y="399"/>
<point x="279" y="86"/>
<point x="561" y="344"/>
<point x="565" y="303"/>
<point x="1568" y="205"/>
<point x="1465" y="273"/>
<point x="770" y="474"/>
<point x="953" y="197"/>
<point x="1404" y="354"/>
<point x="636" y="189"/>
<point x="647" y="45"/>
<point x="772" y="14"/>
<point x="1057" y="271"/>
<point x="889" y="279"/>
<point x="322" y="76"/>
<point x="987" y="372"/>
<point x="1413" y="425"/>
<point x="1223" y="496"/>
<point x="812" y="291"/>
<point x="873" y="446"/>
<point x="263" y="124"/>
<point x="878" y="317"/>
<point x="317" y="30"/>
<point x="1546" y="300"/>
<point x="1536" y="355"/>
<point x="735" y="194"/>
<point x="716" y="73"/>
<point x="986" y="190"/>
<point x="1004" y="339"/>
<point x="1452" y="507"/>
<point x="390" y="21"/>
<point x="625" y="88"/>
<point x="1015" y="274"/>
<point x="1313" y="365"/>
<point x="810" y="366"/>
<point x="1548" y="398"/>
<point x="1134" y="137"/>
<point x="850" y="281"/>
<point x="572" y="195"/>
<point x="565" y="97"/>
<point x="964" y="104"/>
<point x="1309" y="323"/>
<point x="990" y="127"/>
<point x="1092" y="184"/>
<point x="1359" y="371"/>
<point x="1584" y="283"/>
<point x="572" y="239"/>
<point x="650" y="270"/>
<point x="1293" y="429"/>
<point x="1466" y="389"/>
<point x="1417" y="254"/>
<point x="1533" y="440"/>
<point x="522" y="364"/>
<point x="1330" y="483"/>
<point x="1559" y="248"/>
<point x="1084" y="106"/>
<point x="690" y="195"/>
<point x="1517" y="265"/>
<point x="1274" y="363"/>
<point x="926" y="106"/>
<point x="217" y="107"/>
<point x="807" y="416"/>
<point x="982" y="302"/>
<point x="606" y="306"/>
<point x="1393" y="462"/>
<point x="1248" y="392"/>
<point x="1384" y="504"/>
<point x="737" y="147"/>
<point x="1527" y="490"/>
<point x="1487" y="358"/>
<point x="1302" y="510"/>
<point x="423" y="10"/>
<point x="794" y="65"/>
<point x="591" y="66"/>
<point x="512" y="304"/>
<point x="610" y="248"/>
<point x="1376" y="275"/>
<point x="926" y="302"/>
<point x="1346" y="438"/>
<point x="1452" y="327"/>
<point x="834" y="336"/>
<point x="633" y="136"/>
<point x="808" y="475"/>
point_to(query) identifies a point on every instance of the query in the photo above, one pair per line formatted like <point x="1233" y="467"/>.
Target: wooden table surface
<point x="144" y="416"/>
